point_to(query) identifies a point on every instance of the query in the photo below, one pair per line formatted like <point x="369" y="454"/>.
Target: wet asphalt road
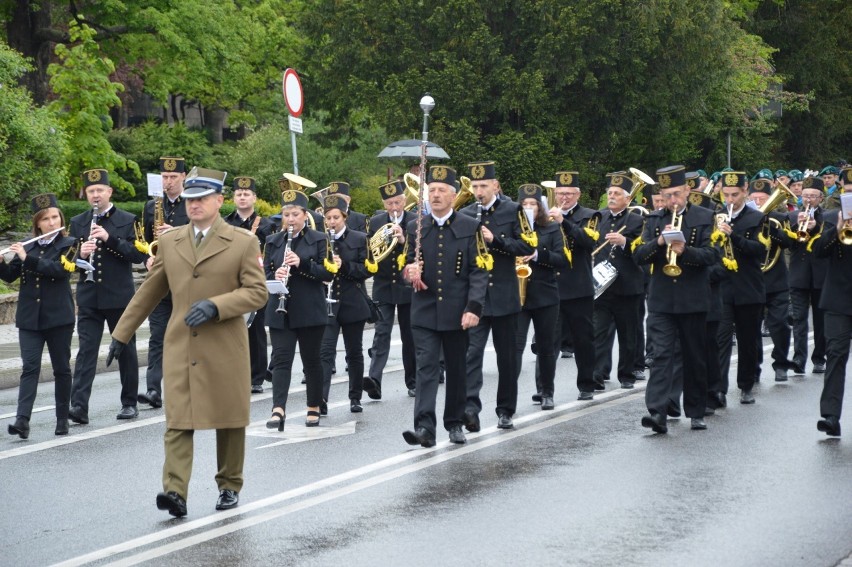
<point x="582" y="485"/>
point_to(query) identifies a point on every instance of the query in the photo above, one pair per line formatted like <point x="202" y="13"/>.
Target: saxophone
<point x="522" y="269"/>
<point x="159" y="218"/>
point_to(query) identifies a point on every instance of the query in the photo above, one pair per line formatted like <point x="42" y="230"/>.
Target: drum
<point x="604" y="274"/>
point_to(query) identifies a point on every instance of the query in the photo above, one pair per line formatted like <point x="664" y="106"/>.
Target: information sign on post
<point x="291" y="87"/>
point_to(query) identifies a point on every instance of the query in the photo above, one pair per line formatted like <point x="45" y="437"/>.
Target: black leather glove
<point x="115" y="348"/>
<point x="201" y="312"/>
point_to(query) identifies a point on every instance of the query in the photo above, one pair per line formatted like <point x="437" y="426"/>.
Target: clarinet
<point x="282" y="297"/>
<point x="328" y="300"/>
<point x="479" y="212"/>
<point x="90" y="274"/>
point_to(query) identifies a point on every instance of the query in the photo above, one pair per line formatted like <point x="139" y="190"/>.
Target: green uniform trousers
<point x="230" y="454"/>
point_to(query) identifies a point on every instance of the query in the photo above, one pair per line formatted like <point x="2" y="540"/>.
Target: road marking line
<point x="549" y="418"/>
<point x="35" y="410"/>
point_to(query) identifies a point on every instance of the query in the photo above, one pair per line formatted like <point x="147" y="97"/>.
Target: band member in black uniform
<point x="807" y="274"/>
<point x="540" y="300"/>
<point x="301" y="316"/>
<point x="172" y="209"/>
<point x="620" y="303"/>
<point x="775" y="279"/>
<point x="448" y="300"/>
<point x="836" y="301"/>
<point x="106" y="241"/>
<point x="349" y="311"/>
<point x="501" y="229"/>
<point x="392" y="293"/>
<point x="678" y="299"/>
<point x="354" y="219"/>
<point x="45" y="312"/>
<point x="576" y="286"/>
<point x="244" y="216"/>
<point x="743" y="288"/>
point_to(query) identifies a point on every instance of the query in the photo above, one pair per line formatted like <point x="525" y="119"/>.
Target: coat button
<point x="195" y="275"/>
<point x="194" y="333"/>
<point x="193" y="363"/>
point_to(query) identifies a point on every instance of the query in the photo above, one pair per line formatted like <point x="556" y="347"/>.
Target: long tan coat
<point x="206" y="373"/>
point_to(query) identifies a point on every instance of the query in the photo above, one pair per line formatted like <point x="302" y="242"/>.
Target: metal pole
<point x="295" y="157"/>
<point x="729" y="148"/>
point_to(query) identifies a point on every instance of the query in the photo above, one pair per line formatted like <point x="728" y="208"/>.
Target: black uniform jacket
<point x="174" y="214"/>
<point x="542" y="288"/>
<point x="264" y="229"/>
<point x="836" y="296"/>
<point x="455" y="283"/>
<point x="113" y="260"/>
<point x="746" y="286"/>
<point x="630" y="279"/>
<point x="690" y="291"/>
<point x="44" y="301"/>
<point x="776" y="279"/>
<point x="503" y="297"/>
<point x="388" y="283"/>
<point x="576" y="281"/>
<point x="807" y="271"/>
<point x="306" y="304"/>
<point x="348" y="282"/>
<point x="356" y="221"/>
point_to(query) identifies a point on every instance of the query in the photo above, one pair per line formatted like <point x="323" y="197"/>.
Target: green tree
<point x="84" y="96"/>
<point x="32" y="144"/>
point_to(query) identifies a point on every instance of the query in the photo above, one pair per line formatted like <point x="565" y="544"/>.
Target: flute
<point x="6" y="252"/>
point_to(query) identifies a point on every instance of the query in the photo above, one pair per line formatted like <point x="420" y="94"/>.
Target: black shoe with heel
<point x="21" y="427"/>
<point x="312" y="422"/>
<point x="276" y="423"/>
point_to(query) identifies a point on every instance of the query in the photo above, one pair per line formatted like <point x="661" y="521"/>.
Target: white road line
<point x="600" y="402"/>
<point x="35" y="410"/>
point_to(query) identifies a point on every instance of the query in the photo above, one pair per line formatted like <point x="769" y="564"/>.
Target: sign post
<point x="292" y="89"/>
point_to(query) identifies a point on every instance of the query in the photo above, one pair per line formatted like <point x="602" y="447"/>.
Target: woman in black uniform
<point x="45" y="312"/>
<point x="303" y="269"/>
<point x="349" y="310"/>
<point x="541" y="305"/>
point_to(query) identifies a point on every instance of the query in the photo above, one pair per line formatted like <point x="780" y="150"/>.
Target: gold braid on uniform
<point x="528" y="235"/>
<point x="636" y="243"/>
<point x="810" y="247"/>
<point x="484" y="259"/>
<point x="400" y="260"/>
<point x="718" y="237"/>
<point x="790" y="234"/>
<point x="68" y="264"/>
<point x="731" y="264"/>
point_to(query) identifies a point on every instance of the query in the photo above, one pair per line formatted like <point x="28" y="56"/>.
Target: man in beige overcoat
<point x="214" y="273"/>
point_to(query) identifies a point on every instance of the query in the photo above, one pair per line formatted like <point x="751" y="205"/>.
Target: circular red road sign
<point x="291" y="85"/>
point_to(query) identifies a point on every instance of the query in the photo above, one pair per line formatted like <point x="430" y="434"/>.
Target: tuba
<point x="412" y="191"/>
<point x="781" y="194"/>
<point x="465" y="194"/>
<point x="640" y="180"/>
<point x="320" y="195"/>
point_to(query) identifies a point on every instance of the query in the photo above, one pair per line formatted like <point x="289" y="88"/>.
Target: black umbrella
<point x="411" y="149"/>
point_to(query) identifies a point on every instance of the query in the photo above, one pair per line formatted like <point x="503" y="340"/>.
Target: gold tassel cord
<point x="718" y="237"/>
<point x="593" y="234"/>
<point x="637" y="242"/>
<point x="730" y="264"/>
<point x="531" y="239"/>
<point x="68" y="264"/>
<point x="371" y="266"/>
<point x="329" y="265"/>
<point x="810" y="247"/>
<point x="569" y="255"/>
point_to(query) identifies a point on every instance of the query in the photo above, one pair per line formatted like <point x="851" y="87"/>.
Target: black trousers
<point x="622" y="311"/>
<point x="157" y="322"/>
<point x="90" y="329"/>
<point x="544" y="324"/>
<point x="382" y="340"/>
<point x="639" y="354"/>
<point x="284" y="352"/>
<point x="745" y="321"/>
<point x="353" y="334"/>
<point x="576" y="314"/>
<point x="714" y="372"/>
<point x="800" y="301"/>
<point x="503" y="330"/>
<point x="428" y="345"/>
<point x="257" y="348"/>
<point x="838" y="333"/>
<point x="58" y="341"/>
<point x="690" y="330"/>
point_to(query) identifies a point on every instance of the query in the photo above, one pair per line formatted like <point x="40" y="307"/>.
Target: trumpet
<point x="282" y="297"/>
<point x="844" y="232"/>
<point x="329" y="301"/>
<point x="671" y="268"/>
<point x="802" y="234"/>
<point x="7" y="253"/>
<point x="728" y="260"/>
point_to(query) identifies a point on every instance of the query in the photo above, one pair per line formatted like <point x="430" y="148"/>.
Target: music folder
<point x="276" y="287"/>
<point x="673" y="236"/>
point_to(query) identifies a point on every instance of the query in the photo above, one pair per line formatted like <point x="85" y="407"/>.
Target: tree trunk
<point x="214" y="118"/>
<point x="26" y="21"/>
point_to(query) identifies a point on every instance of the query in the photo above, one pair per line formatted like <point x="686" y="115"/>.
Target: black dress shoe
<point x="323" y="407"/>
<point x="373" y="389"/>
<point x="639" y="374"/>
<point x="257" y="388"/>
<point x="830" y="426"/>
<point x="698" y="423"/>
<point x="504" y="421"/>
<point x="355" y="406"/>
<point x="648" y="361"/>
<point x="21" y="427"/>
<point x="673" y="410"/>
<point x="709" y="411"/>
<point x="547" y="403"/>
<point x="627" y="385"/>
<point x="536" y="398"/>
<point x="722" y="399"/>
<point x="61" y="427"/>
<point x="152" y="398"/>
<point x="471" y="421"/>
<point x="746" y="397"/>
<point x="798" y="368"/>
<point x="412" y="393"/>
<point x="173" y="502"/>
<point x="127" y="412"/>
<point x="227" y="499"/>
<point x="656" y="422"/>
<point x="585" y="396"/>
<point x="77" y="415"/>
<point x="819" y="368"/>
<point x="566" y="353"/>
<point x="457" y="435"/>
<point x="600" y="386"/>
<point x="419" y="437"/>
